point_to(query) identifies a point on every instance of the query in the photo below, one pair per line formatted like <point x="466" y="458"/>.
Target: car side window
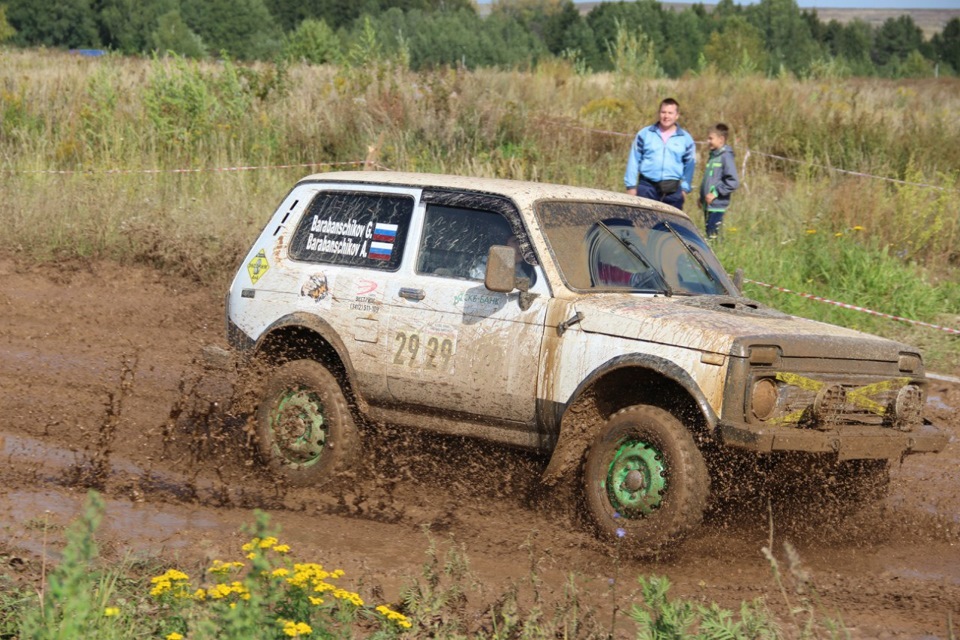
<point x="456" y="241"/>
<point x="354" y="229"/>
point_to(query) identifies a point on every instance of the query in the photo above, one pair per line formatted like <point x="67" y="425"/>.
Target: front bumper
<point x="849" y="442"/>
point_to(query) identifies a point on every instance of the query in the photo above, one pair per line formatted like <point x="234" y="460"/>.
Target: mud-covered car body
<point x="617" y="302"/>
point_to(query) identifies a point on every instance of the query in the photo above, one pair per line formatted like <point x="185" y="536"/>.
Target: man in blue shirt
<point x="662" y="158"/>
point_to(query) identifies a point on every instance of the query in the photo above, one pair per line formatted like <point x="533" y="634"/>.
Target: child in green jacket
<point x="719" y="179"/>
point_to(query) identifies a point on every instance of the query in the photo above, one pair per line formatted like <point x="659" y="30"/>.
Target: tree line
<point x="771" y="36"/>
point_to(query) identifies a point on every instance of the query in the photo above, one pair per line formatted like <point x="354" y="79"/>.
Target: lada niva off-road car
<point x="595" y="327"/>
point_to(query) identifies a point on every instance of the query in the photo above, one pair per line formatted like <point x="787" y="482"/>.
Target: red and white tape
<point x="854" y="307"/>
<point x="350" y="163"/>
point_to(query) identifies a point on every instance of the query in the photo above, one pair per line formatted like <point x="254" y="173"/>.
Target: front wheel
<point x="304" y="427"/>
<point x="645" y="480"/>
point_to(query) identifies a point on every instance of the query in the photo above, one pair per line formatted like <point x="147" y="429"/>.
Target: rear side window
<point x="354" y="229"/>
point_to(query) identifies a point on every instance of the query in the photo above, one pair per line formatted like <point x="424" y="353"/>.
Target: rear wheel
<point x="305" y="430"/>
<point x="645" y="480"/>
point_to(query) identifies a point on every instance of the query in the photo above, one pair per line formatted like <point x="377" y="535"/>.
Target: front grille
<point x="828" y="403"/>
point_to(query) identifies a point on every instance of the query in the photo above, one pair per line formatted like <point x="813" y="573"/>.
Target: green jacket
<point x="719" y="178"/>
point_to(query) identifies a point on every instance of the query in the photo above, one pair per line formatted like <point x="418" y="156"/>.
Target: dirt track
<point x="92" y="359"/>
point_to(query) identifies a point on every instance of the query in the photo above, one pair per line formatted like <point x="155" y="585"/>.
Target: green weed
<point x="266" y="593"/>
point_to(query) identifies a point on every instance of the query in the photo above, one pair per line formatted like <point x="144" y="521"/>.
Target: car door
<point x="347" y="255"/>
<point x="455" y="346"/>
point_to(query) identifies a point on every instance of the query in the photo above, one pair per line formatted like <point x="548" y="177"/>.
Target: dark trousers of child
<point x="714" y="220"/>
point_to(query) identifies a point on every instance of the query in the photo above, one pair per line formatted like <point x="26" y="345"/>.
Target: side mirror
<point x="501" y="273"/>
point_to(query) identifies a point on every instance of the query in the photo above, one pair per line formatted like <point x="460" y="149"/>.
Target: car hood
<point x="729" y="326"/>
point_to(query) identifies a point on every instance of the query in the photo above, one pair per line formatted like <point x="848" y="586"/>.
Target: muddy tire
<point x="645" y="481"/>
<point x="305" y="431"/>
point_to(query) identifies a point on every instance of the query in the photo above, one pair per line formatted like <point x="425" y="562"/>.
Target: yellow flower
<point x="171" y="574"/>
<point x="251" y="556"/>
<point x="838" y="234"/>
<point x="348" y="596"/>
<point x="223" y="568"/>
<point x="268" y="542"/>
<point x="307" y="574"/>
<point x="394" y="616"/>
<point x="811" y="231"/>
<point x="281" y="572"/>
<point x="322" y="587"/>
<point x="111" y="611"/>
<point x="858" y="228"/>
<point x="223" y="590"/>
<point x="315" y="600"/>
<point x="282" y="548"/>
<point x="174" y="636"/>
<point x="296" y="629"/>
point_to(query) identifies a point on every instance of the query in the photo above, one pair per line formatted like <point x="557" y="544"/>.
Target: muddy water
<point x="183" y="489"/>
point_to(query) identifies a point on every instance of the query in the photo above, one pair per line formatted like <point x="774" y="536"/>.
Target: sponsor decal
<point x="366" y="287"/>
<point x="366" y="296"/>
<point x="258" y="266"/>
<point x="315" y="287"/>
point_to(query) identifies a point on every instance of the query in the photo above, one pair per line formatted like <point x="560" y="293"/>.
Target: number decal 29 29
<point x="422" y="351"/>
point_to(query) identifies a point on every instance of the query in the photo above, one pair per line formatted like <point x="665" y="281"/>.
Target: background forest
<point x="770" y="37"/>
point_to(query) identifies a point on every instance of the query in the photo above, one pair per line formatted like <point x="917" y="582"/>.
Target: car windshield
<point x="613" y="247"/>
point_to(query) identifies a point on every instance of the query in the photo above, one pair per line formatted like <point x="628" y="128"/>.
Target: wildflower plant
<point x="268" y="595"/>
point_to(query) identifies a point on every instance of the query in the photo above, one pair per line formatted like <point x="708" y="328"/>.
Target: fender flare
<point x="570" y="444"/>
<point x="315" y="324"/>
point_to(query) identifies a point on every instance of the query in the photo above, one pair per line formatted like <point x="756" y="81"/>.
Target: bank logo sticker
<point x="315" y="287"/>
<point x="367" y="296"/>
<point x="258" y="266"/>
<point x="366" y="287"/>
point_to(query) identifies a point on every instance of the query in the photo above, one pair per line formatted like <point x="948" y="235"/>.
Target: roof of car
<point x="522" y="192"/>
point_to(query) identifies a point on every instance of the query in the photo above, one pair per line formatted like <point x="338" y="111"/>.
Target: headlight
<point x="764" y="398"/>
<point x="908" y="408"/>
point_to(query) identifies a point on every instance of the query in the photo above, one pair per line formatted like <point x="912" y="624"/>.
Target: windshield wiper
<point x="695" y="255"/>
<point x="667" y="291"/>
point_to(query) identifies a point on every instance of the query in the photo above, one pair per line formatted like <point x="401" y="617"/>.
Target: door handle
<point x="412" y="294"/>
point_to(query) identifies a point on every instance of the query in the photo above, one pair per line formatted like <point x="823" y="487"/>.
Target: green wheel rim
<point x="636" y="479"/>
<point x="299" y="426"/>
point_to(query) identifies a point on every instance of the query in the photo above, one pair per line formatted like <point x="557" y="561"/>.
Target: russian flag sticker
<point x="380" y="250"/>
<point x="384" y="232"/>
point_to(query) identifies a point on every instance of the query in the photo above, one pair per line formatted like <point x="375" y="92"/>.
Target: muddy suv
<point x="595" y="327"/>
